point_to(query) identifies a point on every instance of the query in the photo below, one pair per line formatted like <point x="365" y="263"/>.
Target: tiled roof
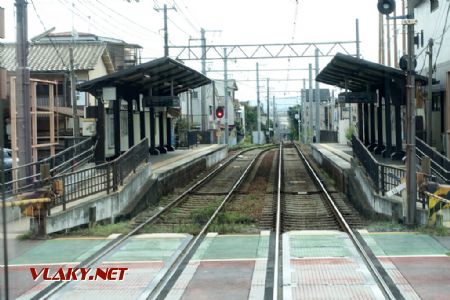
<point x="44" y="57"/>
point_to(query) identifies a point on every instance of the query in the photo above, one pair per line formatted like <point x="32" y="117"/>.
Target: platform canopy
<point x="161" y="74"/>
<point x="360" y="75"/>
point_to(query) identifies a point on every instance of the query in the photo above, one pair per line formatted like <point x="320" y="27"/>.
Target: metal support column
<point x="372" y="126"/>
<point x="380" y="147"/>
<point x="387" y="117"/>
<point x="366" y="124"/>
<point x="360" y="122"/>
<point x="398" y="153"/>
<point x="141" y="117"/>
<point x="100" y="129"/>
<point x="116" y="122"/>
<point x="161" y="147"/>
<point x="130" y="116"/>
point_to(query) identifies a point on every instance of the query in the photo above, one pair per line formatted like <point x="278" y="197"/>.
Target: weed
<point x="103" y="230"/>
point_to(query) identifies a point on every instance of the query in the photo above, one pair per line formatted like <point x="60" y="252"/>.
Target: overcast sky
<point x="232" y="22"/>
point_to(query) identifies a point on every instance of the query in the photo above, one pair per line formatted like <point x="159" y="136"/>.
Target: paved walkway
<point x="414" y="259"/>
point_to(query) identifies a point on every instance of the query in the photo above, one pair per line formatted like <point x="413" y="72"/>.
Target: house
<point x="191" y="107"/>
<point x="49" y="61"/>
<point x="430" y="15"/>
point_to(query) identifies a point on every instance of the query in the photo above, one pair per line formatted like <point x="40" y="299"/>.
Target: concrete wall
<point x="354" y="182"/>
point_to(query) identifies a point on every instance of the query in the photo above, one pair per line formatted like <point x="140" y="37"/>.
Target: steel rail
<point x="179" y="264"/>
<point x="340" y="218"/>
<point x="276" y="266"/>
<point x="90" y="261"/>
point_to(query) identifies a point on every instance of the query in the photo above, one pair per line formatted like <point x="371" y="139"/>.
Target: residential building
<point x="432" y="20"/>
<point x="49" y="61"/>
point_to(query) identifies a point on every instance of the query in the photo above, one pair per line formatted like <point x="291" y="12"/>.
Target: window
<point x="194" y="94"/>
<point x="434" y="5"/>
<point x="436" y="102"/>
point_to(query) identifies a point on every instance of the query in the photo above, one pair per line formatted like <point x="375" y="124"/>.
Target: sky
<point x="226" y="22"/>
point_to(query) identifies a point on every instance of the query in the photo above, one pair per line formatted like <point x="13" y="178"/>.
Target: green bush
<point x="349" y="133"/>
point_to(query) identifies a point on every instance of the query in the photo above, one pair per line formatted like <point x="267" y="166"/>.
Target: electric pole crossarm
<point x="257" y="51"/>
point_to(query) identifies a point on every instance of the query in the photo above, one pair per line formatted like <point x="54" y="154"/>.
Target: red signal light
<point x="219" y="112"/>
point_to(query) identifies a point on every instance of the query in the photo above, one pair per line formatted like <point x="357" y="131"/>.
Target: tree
<point x="251" y="118"/>
<point x="292" y="111"/>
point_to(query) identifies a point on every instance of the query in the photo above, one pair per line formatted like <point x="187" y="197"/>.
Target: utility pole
<point x="317" y="100"/>
<point x="76" y="122"/>
<point x="388" y="40"/>
<point x="273" y="116"/>
<point x="268" y="111"/>
<point x="298" y="120"/>
<point x="303" y="110"/>
<point x="430" y="92"/>
<point x="381" y="39"/>
<point x="225" y="88"/>
<point x="395" y="41"/>
<point x="258" y="111"/>
<point x="23" y="91"/>
<point x="202" y="88"/>
<point x="411" y="186"/>
<point x="166" y="32"/>
<point x="2" y="166"/>
<point x="310" y="112"/>
<point x="358" y="48"/>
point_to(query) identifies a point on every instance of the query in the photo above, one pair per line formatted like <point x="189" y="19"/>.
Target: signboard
<point x="396" y="190"/>
<point x="88" y="127"/>
<point x="357" y="97"/>
<point x="109" y="93"/>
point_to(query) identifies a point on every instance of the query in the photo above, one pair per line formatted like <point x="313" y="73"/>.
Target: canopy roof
<point x="159" y="74"/>
<point x="359" y="74"/>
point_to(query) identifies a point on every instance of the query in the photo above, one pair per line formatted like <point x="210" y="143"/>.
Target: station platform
<point x="345" y="152"/>
<point x="157" y="167"/>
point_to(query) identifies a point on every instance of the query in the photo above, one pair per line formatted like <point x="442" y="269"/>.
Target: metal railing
<point x="105" y="177"/>
<point x="440" y="165"/>
<point x="66" y="160"/>
<point x="384" y="177"/>
<point x="368" y="161"/>
<point x="390" y="177"/>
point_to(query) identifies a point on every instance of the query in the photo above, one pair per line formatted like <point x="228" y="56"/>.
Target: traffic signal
<point x="385" y="7"/>
<point x="219" y="112"/>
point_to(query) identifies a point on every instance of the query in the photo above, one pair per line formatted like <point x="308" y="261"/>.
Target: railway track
<point x="303" y="203"/>
<point x="213" y="190"/>
<point x="293" y="198"/>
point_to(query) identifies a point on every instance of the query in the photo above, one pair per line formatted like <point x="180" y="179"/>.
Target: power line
<point x="196" y="28"/>
<point x="51" y="40"/>
<point x="128" y="19"/>
<point x="444" y="30"/>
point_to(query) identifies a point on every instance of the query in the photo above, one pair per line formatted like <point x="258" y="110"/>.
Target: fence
<point x="105" y="177"/>
<point x="440" y="165"/>
<point x="328" y="136"/>
<point x="17" y="182"/>
<point x="384" y="177"/>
